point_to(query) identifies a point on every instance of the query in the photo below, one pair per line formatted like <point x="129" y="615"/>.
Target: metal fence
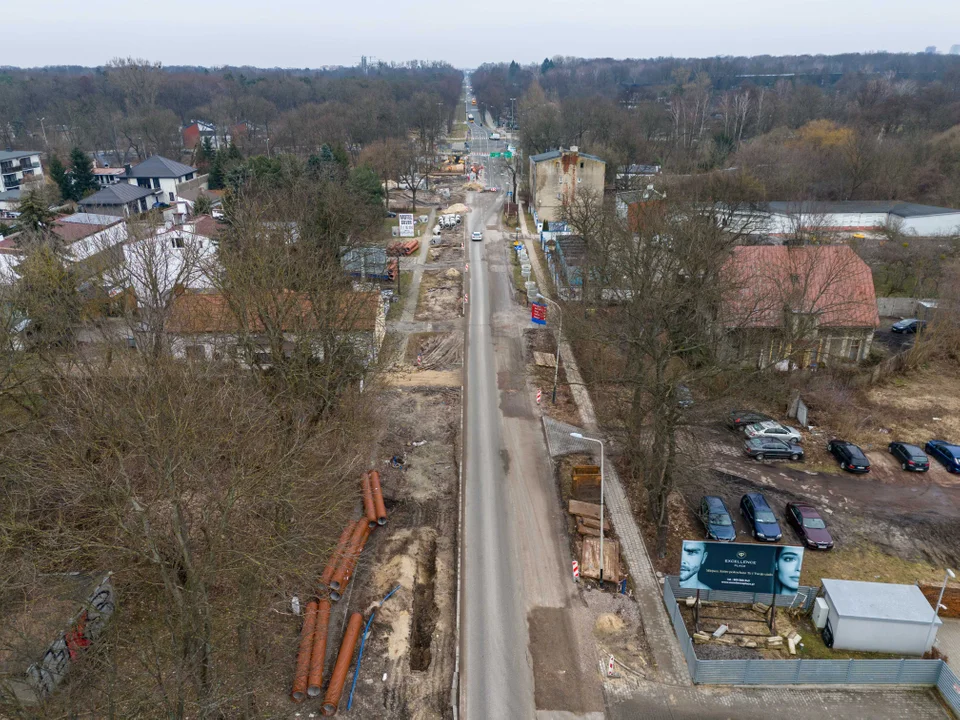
<point x="931" y="673"/>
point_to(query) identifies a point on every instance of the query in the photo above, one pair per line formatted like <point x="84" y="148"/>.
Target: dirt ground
<point x="441" y="295"/>
<point x="437" y="351"/>
<point x="541" y="340"/>
<point x="411" y="642"/>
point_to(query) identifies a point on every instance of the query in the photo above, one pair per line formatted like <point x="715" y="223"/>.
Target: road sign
<point x="406" y="225"/>
<point x="508" y="155"/>
<point x="494" y="154"/>
<point x="538" y="313"/>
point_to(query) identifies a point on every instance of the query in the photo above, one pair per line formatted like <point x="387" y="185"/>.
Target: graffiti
<point x="44" y="676"/>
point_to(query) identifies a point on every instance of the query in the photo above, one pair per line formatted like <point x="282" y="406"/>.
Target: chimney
<point x="127" y="168"/>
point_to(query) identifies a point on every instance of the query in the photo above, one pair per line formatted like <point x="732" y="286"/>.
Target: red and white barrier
<point x="576" y="571"/>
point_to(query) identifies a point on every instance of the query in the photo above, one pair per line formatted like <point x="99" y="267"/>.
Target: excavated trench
<point x="425" y="610"/>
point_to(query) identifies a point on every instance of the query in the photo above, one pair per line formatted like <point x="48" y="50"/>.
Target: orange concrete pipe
<point x="334" y="560"/>
<point x="300" y="676"/>
<point x="345" y="571"/>
<point x="368" y="506"/>
<point x="319" y="651"/>
<point x="348" y="550"/>
<point x="338" y="678"/>
<point x="378" y="498"/>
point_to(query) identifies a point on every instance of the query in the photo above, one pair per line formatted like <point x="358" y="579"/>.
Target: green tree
<point x="58" y="173"/>
<point x="81" y="167"/>
<point x="366" y="183"/>
<point x="234" y="154"/>
<point x="203" y="205"/>
<point x="215" y="179"/>
<point x="35" y="215"/>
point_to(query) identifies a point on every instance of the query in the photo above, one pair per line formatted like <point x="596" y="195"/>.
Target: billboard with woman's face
<point x="741" y="567"/>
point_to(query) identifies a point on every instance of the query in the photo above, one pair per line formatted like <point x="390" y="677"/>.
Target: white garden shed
<point x="878" y="617"/>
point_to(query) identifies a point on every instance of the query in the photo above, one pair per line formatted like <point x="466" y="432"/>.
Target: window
<point x="172" y="198"/>
<point x="177" y="242"/>
<point x="156" y="183"/>
<point x="581" y="166"/>
<point x="854" y="352"/>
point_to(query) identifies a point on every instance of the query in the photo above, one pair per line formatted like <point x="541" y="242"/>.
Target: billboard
<point x="740" y="567"/>
<point x="407" y="224"/>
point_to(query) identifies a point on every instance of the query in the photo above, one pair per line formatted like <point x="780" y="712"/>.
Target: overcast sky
<point x="312" y="33"/>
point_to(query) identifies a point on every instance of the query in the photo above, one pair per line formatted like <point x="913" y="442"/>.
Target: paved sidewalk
<point x="413" y="290"/>
<point x="671" y="665"/>
<point x="657" y="702"/>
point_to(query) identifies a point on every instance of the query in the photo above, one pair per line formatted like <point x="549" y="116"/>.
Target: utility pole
<point x="44" y="132"/>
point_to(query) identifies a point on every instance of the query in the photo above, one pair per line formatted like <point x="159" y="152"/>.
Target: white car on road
<point x="477" y="236"/>
<point x="772" y="429"/>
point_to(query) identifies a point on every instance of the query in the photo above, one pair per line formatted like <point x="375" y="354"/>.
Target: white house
<point x="92" y="243"/>
<point x="15" y="165"/>
<point x="160" y="175"/>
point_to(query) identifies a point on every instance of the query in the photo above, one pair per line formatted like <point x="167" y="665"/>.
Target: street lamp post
<point x="580" y="436"/>
<point x="556" y="369"/>
<point x="948" y="575"/>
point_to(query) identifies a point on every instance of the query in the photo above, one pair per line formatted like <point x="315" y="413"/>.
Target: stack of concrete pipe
<point x="308" y="677"/>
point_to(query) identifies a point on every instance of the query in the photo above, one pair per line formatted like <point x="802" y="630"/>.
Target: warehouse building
<point x="785" y="219"/>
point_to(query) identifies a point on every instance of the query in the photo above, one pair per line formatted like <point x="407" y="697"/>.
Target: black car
<point x="911" y="457"/>
<point x="946" y="453"/>
<point x="716" y="518"/>
<point x="742" y="418"/>
<point x="908" y="325"/>
<point x="766" y="448"/>
<point x="850" y="456"/>
<point x="759" y="516"/>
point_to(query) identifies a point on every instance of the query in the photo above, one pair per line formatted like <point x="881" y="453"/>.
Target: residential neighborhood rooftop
<point x="16" y="154"/>
<point x="159" y="167"/>
<point x="120" y="194"/>
<point x="554" y="154"/>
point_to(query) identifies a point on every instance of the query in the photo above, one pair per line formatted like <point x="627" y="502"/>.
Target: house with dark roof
<point x="119" y="200"/>
<point x="162" y="176"/>
<point x="796" y="307"/>
<point x="557" y="176"/>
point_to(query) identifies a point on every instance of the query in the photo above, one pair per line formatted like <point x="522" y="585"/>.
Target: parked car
<point x="716" y="518"/>
<point x="851" y="457"/>
<point x="759" y="516"/>
<point x="947" y="454"/>
<point x="772" y="429"/>
<point x="477" y="236"/>
<point x="911" y="457"/>
<point x="761" y="448"/>
<point x="809" y="526"/>
<point x="908" y="325"/>
<point x="389" y="214"/>
<point x="742" y="418"/>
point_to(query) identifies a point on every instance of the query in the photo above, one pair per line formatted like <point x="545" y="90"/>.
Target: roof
<point x="10" y="195"/>
<point x="88" y="219"/>
<point x="16" y="154"/>
<point x="205" y="226"/>
<point x="71" y="232"/>
<point x="119" y="194"/>
<point x="160" y="167"/>
<point x="210" y="313"/>
<point x="554" y="154"/>
<point x="878" y="601"/>
<point x="828" y="281"/>
<point x="108" y="171"/>
<point x="890" y="207"/>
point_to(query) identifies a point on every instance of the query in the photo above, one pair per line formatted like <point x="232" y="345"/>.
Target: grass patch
<point x="866" y="563"/>
<point x="518" y="282"/>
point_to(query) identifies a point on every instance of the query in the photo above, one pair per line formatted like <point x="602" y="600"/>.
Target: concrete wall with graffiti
<point x="43" y="676"/>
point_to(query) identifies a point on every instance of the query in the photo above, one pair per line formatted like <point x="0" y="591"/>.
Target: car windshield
<point x="765" y="516"/>
<point x="720" y="519"/>
<point x="814" y="523"/>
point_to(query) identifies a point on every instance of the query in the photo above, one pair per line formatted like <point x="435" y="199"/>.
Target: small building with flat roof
<point x="878" y="617"/>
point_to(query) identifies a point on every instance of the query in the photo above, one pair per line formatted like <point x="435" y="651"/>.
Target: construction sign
<point x="538" y="313"/>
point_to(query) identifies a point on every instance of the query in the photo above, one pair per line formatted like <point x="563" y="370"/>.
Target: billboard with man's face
<point x="741" y="567"/>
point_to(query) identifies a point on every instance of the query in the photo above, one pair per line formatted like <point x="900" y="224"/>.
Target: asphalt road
<point x="496" y="675"/>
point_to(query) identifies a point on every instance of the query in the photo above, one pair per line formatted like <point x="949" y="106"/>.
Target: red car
<point x="809" y="526"/>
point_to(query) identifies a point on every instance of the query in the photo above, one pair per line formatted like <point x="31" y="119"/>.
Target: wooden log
<point x="584" y="509"/>
<point x="595" y="522"/>
<point x="585" y="529"/>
